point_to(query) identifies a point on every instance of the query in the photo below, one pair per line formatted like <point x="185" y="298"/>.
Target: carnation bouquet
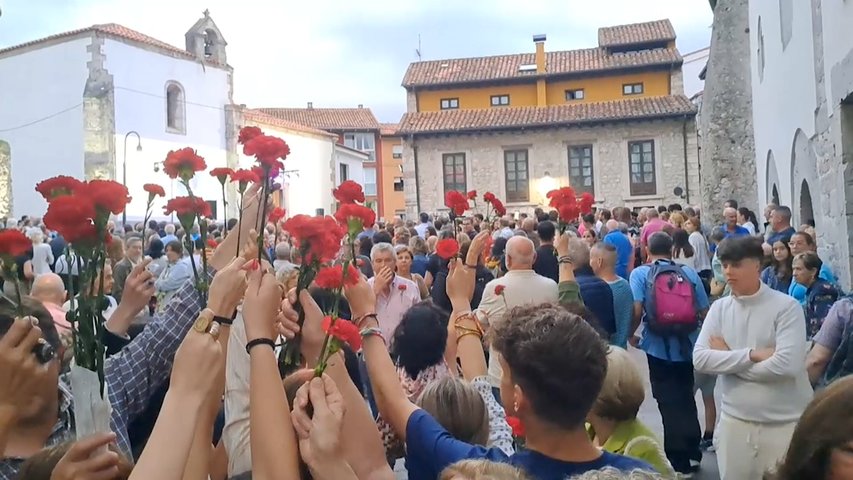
<point x="80" y="211"/>
<point x="569" y="206"/>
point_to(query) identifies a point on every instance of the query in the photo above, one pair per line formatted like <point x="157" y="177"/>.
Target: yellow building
<point x="611" y="120"/>
<point x="391" y="176"/>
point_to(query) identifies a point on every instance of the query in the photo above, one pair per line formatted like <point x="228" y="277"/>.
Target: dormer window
<point x="632" y="89"/>
<point x="500" y="100"/>
<point x="576" y="94"/>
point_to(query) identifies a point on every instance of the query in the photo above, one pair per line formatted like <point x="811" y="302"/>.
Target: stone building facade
<point x="547" y="150"/>
<point x="802" y="93"/>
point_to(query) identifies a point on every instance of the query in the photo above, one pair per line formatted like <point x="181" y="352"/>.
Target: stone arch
<point x="5" y="179"/>
<point x="806" y="209"/>
<point x="803" y="172"/>
<point x="771" y="180"/>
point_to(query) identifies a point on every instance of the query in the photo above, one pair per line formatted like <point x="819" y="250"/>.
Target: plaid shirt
<point x="132" y="375"/>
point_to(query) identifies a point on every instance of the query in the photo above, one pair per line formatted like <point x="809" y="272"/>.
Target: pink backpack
<point x="670" y="305"/>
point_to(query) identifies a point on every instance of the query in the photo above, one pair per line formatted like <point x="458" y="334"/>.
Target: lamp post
<point x="124" y="167"/>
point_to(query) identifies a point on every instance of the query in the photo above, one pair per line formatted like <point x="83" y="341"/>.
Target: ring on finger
<point x="214" y="330"/>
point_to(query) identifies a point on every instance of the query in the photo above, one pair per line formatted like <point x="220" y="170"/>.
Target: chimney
<point x="539" y="40"/>
<point x="360" y="105"/>
<point x="310" y="105"/>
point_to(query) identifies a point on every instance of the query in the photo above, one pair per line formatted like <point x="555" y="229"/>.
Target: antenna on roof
<point x="418" y="50"/>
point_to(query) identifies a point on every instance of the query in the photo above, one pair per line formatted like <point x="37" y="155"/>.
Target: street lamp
<point x="124" y="167"/>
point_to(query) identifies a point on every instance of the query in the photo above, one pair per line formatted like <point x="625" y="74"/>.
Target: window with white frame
<point x="397" y="151"/>
<point x="370" y="181"/>
<point x="449" y="103"/>
<point x="500" y="100"/>
<point x="343" y="172"/>
<point x="175" y="109"/>
<point x="364" y="142"/>
<point x="576" y="94"/>
<point x="632" y="89"/>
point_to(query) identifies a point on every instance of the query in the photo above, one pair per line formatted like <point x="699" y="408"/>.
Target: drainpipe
<point x="417" y="175"/>
<point x="684" y="144"/>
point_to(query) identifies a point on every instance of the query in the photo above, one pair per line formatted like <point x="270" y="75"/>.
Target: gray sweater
<point x="776" y="390"/>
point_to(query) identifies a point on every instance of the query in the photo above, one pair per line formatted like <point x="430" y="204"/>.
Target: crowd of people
<point x="507" y="361"/>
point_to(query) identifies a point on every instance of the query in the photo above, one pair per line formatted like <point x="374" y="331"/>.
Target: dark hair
<point x="232" y="222"/>
<point x="675" y="207"/>
<point x="660" y="244"/>
<point x="382" y="236"/>
<point x="718" y="235"/>
<point x="424" y="217"/>
<point x="560" y="383"/>
<point x="605" y="215"/>
<point x="681" y="244"/>
<point x="749" y="215"/>
<point x="735" y="249"/>
<point x="589" y="218"/>
<point x="499" y="247"/>
<point x="731" y="203"/>
<point x="420" y="338"/>
<point x="784" y="211"/>
<point x="546" y="231"/>
<point x="553" y="215"/>
<point x="365" y="245"/>
<point x="661" y="209"/>
<point x="824" y="426"/>
<point x="431" y="231"/>
<point x="689" y="212"/>
<point x="785" y="269"/>
<point x="155" y="248"/>
<point x="326" y="300"/>
<point x="175" y="246"/>
<point x="33" y="308"/>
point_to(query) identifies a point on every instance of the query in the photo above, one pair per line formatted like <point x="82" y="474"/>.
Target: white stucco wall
<point x="307" y="182"/>
<point x="837" y="41"/>
<point x="355" y="162"/>
<point x="35" y="84"/>
<point x="694" y="62"/>
<point x="784" y="99"/>
<point x="140" y="78"/>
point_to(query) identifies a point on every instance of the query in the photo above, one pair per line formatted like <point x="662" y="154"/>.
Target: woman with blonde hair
<point x="677" y="219"/>
<point x="42" y="253"/>
<point x="482" y="470"/>
<point x="612" y="421"/>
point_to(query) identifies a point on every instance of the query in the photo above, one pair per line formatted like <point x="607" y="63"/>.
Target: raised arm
<point x="138" y="289"/>
<point x="569" y="290"/>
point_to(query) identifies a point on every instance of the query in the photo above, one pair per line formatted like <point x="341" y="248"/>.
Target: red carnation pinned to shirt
<point x="499" y="289"/>
<point x="401" y="287"/>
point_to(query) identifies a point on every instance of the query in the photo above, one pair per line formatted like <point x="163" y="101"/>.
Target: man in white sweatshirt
<point x="755" y="340"/>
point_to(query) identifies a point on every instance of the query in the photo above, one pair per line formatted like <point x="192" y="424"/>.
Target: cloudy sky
<point x="339" y="53"/>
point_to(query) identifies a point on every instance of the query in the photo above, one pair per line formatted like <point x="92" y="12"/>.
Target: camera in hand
<point x="44" y="352"/>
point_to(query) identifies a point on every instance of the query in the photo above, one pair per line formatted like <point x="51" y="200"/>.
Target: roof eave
<point x="544" y="126"/>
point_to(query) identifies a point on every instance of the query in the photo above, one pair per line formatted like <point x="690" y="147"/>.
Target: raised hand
<point x="563" y="244"/>
<point x="382" y="280"/>
<point x="86" y="460"/>
<point x="320" y="433"/>
<point x="312" y="327"/>
<point x="460" y="282"/>
<point x="229" y="286"/>
<point x="138" y="288"/>
<point x="476" y="249"/>
<point x="361" y="298"/>
<point x="198" y="364"/>
<point x="262" y="305"/>
<point x="21" y="374"/>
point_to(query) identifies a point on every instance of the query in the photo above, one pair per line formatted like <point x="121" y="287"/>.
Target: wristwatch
<point x="202" y="323"/>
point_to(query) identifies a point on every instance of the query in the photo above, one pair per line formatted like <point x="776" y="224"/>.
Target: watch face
<point x="202" y="323"/>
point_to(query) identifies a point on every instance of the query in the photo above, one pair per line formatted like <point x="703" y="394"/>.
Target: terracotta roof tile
<point x="113" y="30"/>
<point x="506" y="67"/>
<point x="636" y="33"/>
<point x="508" y="118"/>
<point x="257" y="116"/>
<point x="388" y="129"/>
<point x="332" y="119"/>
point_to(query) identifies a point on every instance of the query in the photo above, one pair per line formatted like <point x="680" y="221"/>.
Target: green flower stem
<point x="325" y="351"/>
<point x="263" y="219"/>
<point x="239" y="220"/>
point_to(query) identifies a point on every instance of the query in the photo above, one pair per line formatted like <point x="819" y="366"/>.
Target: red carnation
<point x="355" y="217"/>
<point x="516" y="426"/>
<point x="456" y="202"/>
<point x="499" y="289"/>
<point x="154" y="190"/>
<point x="183" y="163"/>
<point x="211" y="243"/>
<point x="401" y="287"/>
<point x="472" y="195"/>
<point x="498" y="207"/>
<point x="344" y="332"/>
<point x="72" y="217"/>
<point x="245" y="177"/>
<point x="58" y="186"/>
<point x="317" y="238"/>
<point x="248" y="133"/>
<point x="268" y="151"/>
<point x="186" y="206"/>
<point x="107" y="195"/>
<point x="13" y="243"/>
<point x="332" y="278"/>
<point x="585" y="203"/>
<point x="221" y="174"/>
<point x="349" y="192"/>
<point x="276" y="215"/>
<point x="447" y="248"/>
<point x="488" y="197"/>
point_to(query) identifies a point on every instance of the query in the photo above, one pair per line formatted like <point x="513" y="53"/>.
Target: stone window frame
<point x="576" y="187"/>
<point x="454" y="185"/>
<point x="178" y="110"/>
<point x="633" y="88"/>
<point x="502" y="100"/>
<point x="520" y="193"/>
<point x="572" y="94"/>
<point x="449" y="103"/>
<point x="642" y="188"/>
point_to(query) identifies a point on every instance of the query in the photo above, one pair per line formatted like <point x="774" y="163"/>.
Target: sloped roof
<point x="388" y="129"/>
<point x="636" y="33"/>
<point x="509" y="118"/>
<point x="506" y="67"/>
<point x="257" y="116"/>
<point x="112" y="30"/>
<point x="330" y="119"/>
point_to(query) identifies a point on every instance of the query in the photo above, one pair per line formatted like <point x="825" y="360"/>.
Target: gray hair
<point x="623" y="227"/>
<point x="282" y="251"/>
<point x="382" y="247"/>
<point x="610" y="473"/>
<point x="169" y="229"/>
